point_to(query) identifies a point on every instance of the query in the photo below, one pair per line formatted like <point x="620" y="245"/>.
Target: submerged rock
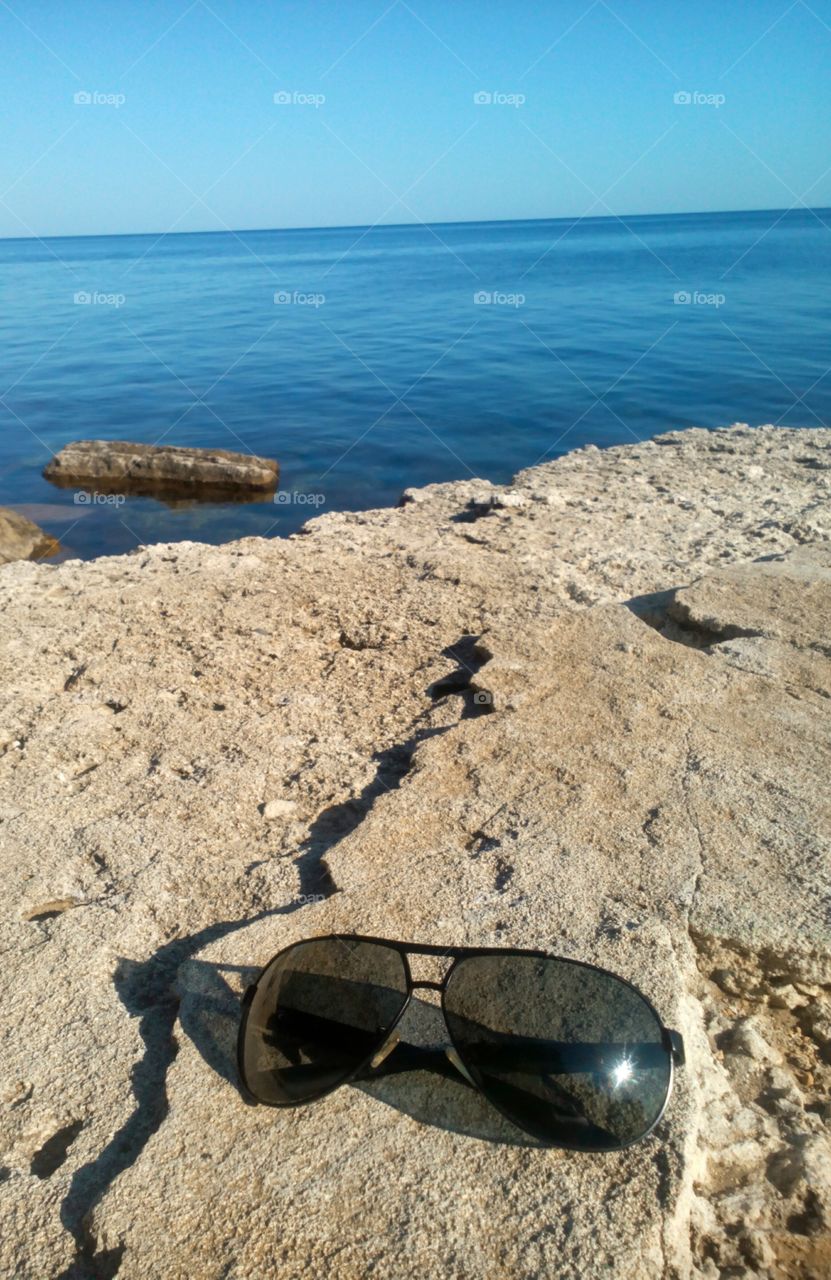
<point x="127" y="467"/>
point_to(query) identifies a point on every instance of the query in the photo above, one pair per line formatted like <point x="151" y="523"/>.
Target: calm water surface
<point x="367" y="360"/>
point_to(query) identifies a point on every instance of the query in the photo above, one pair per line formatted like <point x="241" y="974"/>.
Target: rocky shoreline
<point x="21" y="539"/>
<point x="208" y="752"/>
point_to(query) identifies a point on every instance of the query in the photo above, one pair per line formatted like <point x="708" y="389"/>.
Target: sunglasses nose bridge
<point x="429" y="971"/>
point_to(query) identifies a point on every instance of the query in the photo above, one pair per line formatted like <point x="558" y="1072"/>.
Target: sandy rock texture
<point x="207" y="753"/>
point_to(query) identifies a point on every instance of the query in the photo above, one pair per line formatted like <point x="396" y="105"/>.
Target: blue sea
<point x="369" y="359"/>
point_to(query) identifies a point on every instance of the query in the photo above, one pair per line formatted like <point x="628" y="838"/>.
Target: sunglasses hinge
<point x="675" y="1043"/>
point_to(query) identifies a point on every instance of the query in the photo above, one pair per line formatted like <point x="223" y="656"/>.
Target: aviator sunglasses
<point x="568" y="1052"/>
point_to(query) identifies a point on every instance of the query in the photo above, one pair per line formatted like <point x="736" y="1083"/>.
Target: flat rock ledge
<point x="119" y="465"/>
<point x="208" y="752"/>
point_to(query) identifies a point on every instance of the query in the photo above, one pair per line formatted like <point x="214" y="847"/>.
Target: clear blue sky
<point x="198" y="142"/>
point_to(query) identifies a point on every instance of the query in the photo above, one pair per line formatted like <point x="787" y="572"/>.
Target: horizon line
<point x="391" y="226"/>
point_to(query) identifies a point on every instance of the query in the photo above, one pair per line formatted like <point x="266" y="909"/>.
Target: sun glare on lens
<point x="622" y="1072"/>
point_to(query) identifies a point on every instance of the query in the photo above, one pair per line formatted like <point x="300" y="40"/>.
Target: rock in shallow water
<point x="128" y="467"/>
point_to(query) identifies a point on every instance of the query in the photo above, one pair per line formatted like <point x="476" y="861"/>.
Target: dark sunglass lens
<point x="320" y="1010"/>
<point x="569" y="1053"/>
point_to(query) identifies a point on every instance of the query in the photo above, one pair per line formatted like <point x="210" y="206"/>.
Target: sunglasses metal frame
<point x="405" y="1057"/>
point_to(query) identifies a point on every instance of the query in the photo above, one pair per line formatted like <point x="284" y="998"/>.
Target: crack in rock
<point x="393" y="764"/>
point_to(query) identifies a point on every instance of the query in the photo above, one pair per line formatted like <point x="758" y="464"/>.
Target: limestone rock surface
<point x="643" y="786"/>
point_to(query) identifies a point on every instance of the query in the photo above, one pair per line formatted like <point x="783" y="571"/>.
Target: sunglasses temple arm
<point x="528" y="1057"/>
